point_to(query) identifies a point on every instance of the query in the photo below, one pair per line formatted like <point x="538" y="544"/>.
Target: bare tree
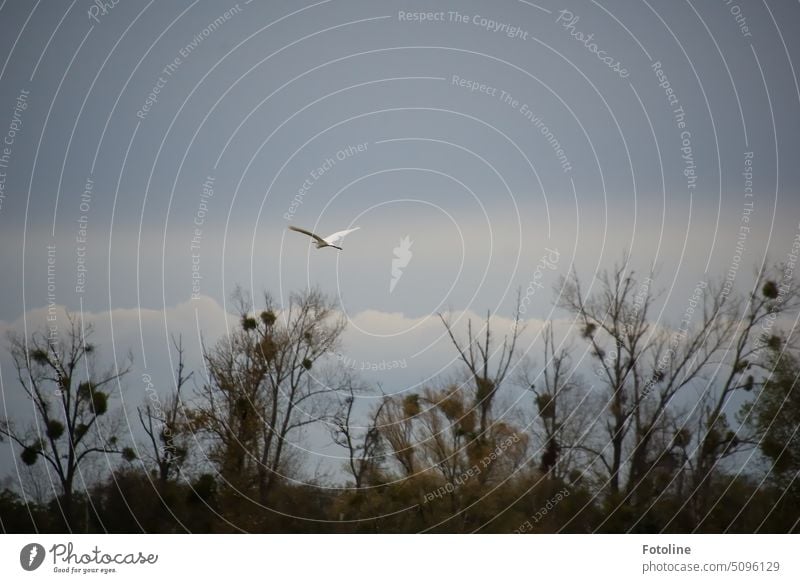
<point x="676" y="359"/>
<point x="645" y="367"/>
<point x="773" y="417"/>
<point x="435" y="440"/>
<point x="164" y="424"/>
<point x="363" y="445"/>
<point x="70" y="400"/>
<point x="477" y="353"/>
<point x="563" y="406"/>
<point x="642" y="366"/>
<point x="227" y="411"/>
<point x="614" y="322"/>
<point x="261" y="387"/>
<point x="743" y="365"/>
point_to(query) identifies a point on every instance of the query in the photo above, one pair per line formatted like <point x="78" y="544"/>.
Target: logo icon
<point x="402" y="257"/>
<point x="31" y="556"/>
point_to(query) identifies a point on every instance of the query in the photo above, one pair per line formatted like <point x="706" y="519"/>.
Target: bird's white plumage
<point x="329" y="241"/>
<point x="338" y="236"/>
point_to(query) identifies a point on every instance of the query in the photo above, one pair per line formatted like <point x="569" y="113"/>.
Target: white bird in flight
<point x="329" y="241"/>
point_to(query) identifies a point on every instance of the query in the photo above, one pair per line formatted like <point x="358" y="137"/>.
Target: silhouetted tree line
<point x="676" y="428"/>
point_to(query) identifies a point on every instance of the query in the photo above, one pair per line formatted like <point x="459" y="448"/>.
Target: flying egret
<point x="329" y="241"/>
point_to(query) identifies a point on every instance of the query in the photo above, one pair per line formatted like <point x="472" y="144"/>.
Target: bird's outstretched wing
<point x="338" y="236"/>
<point x="309" y="233"/>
